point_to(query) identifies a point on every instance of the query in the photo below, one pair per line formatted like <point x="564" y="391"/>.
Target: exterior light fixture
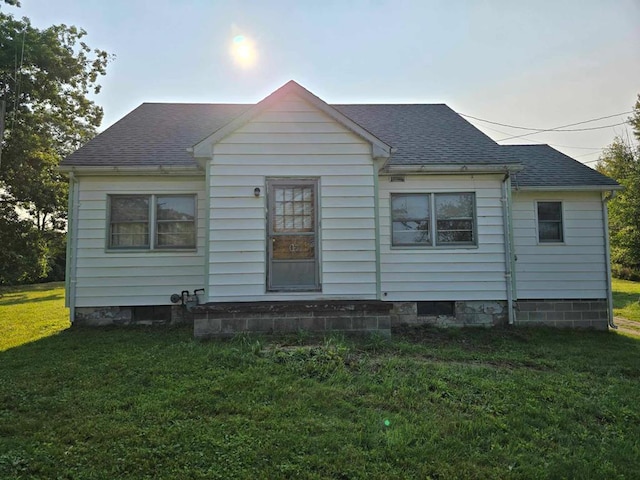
<point x="256" y="191"/>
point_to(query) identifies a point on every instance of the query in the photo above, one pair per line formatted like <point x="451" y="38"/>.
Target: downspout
<point x="72" y="253"/>
<point x="607" y="259"/>
<point x="506" y="186"/>
<point x="207" y="230"/>
<point x="376" y="202"/>
<point x="512" y="243"/>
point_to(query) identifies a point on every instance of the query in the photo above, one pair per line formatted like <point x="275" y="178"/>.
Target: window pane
<point x="176" y="234"/>
<point x="129" y="208"/>
<point x="550" y="211"/>
<point x="550" y="231"/>
<point x="176" y="221"/>
<point x="409" y="207"/>
<point x="176" y="208"/>
<point x="454" y="205"/>
<point x="455" y="218"/>
<point x="409" y="233"/>
<point x="411" y="219"/>
<point x="455" y="225"/>
<point x="293" y="247"/>
<point x="129" y="221"/>
<point x="295" y="209"/>
<point x="455" y="237"/>
<point x="129" y="235"/>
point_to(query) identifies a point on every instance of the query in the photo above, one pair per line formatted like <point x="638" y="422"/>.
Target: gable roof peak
<point x="204" y="148"/>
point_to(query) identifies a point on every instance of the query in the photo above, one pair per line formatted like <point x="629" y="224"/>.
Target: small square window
<point x="550" y="222"/>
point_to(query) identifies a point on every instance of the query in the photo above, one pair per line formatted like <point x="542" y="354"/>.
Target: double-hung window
<point x="433" y="219"/>
<point x="550" y="222"/>
<point x="152" y="222"/>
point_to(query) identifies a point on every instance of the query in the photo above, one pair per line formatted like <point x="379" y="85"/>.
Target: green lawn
<point x="626" y="299"/>
<point x="30" y="313"/>
<point x="146" y="403"/>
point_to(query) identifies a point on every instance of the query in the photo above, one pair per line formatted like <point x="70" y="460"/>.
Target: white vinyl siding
<point x="572" y="269"/>
<point x="291" y="139"/>
<point x="144" y="277"/>
<point x="469" y="272"/>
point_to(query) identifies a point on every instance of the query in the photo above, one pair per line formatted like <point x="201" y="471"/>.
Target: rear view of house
<point x="293" y="213"/>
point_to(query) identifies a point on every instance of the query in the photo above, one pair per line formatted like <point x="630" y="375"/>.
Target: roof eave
<point x="567" y="188"/>
<point x="451" y="169"/>
<point x="177" y="170"/>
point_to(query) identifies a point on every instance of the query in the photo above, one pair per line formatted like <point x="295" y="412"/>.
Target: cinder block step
<point x="224" y="319"/>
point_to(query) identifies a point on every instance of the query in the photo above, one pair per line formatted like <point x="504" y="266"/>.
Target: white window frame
<point x="562" y="217"/>
<point x="433" y="222"/>
<point x="153" y="223"/>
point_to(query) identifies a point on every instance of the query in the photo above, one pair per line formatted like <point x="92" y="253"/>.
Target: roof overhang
<point x="134" y="170"/>
<point x="204" y="148"/>
<point x="447" y="169"/>
<point x="576" y="188"/>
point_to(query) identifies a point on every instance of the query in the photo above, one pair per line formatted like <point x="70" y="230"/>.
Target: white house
<point x="293" y="213"/>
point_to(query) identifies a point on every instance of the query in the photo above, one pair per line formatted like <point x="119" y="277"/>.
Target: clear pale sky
<point x="537" y="64"/>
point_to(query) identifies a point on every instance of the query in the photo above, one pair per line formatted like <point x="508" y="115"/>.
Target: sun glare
<point x="243" y="51"/>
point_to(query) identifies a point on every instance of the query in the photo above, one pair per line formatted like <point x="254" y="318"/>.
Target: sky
<point x="536" y="64"/>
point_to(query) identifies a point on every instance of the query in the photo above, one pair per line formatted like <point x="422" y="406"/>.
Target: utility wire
<point x="547" y="129"/>
<point x="599" y="149"/>
<point x="559" y="129"/>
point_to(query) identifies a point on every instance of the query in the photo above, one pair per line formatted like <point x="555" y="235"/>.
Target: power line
<point x="547" y="129"/>
<point x="559" y="129"/>
<point x="599" y="149"/>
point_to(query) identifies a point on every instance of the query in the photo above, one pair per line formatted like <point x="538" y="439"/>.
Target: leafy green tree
<point x="46" y="77"/>
<point x="23" y="256"/>
<point x="621" y="161"/>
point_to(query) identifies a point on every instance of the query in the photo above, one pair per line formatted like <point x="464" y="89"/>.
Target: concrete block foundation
<point x="563" y="313"/>
<point x="470" y="313"/>
<point x="226" y="319"/>
<point x="132" y="315"/>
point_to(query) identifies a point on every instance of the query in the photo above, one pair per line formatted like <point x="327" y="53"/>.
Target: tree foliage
<point x="621" y="161"/>
<point x="46" y="78"/>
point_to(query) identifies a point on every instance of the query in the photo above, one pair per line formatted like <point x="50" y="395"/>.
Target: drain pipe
<point x="506" y="184"/>
<point x="70" y="277"/>
<point x="607" y="258"/>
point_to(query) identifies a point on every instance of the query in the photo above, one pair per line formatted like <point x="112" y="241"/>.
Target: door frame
<point x="271" y="183"/>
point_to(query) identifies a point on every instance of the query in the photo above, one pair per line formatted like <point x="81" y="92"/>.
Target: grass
<point x="153" y="403"/>
<point x="30" y="313"/>
<point x="626" y="299"/>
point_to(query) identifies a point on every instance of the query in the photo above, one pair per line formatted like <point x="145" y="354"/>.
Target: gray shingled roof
<point x="426" y="134"/>
<point x="546" y="166"/>
<point x="158" y="134"/>
<point x="155" y="134"/>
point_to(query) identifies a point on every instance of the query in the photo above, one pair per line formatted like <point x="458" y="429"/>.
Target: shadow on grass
<point x="117" y="340"/>
<point x="622" y="300"/>
<point x="19" y="299"/>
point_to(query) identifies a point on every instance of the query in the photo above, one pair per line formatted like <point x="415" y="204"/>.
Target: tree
<point x="621" y="161"/>
<point x="46" y="77"/>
